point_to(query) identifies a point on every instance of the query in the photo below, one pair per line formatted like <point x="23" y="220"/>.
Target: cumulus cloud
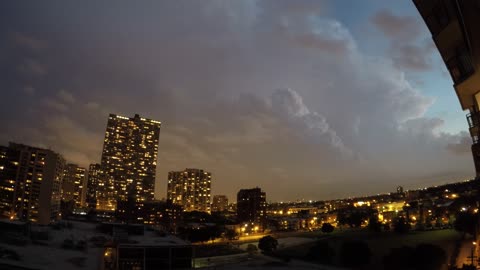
<point x="289" y="103"/>
<point x="54" y="104"/>
<point x="32" y="67"/>
<point x="77" y="143"/>
<point x="29" y="90"/>
<point x="396" y="26"/>
<point x="66" y="96"/>
<point x="28" y="42"/>
<point x="461" y="144"/>
<point x="407" y="52"/>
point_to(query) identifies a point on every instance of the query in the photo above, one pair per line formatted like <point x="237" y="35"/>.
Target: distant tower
<point x="38" y="177"/>
<point x="220" y="203"/>
<point x="129" y="159"/>
<point x="252" y="206"/>
<point x="73" y="185"/>
<point x="95" y="186"/>
<point x="8" y="173"/>
<point x="400" y="190"/>
<point x="190" y="189"/>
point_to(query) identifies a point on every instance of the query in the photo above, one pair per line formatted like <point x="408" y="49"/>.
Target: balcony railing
<point x="473" y="119"/>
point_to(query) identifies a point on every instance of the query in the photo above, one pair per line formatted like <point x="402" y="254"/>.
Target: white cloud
<point x="65" y="96"/>
<point x="54" y="104"/>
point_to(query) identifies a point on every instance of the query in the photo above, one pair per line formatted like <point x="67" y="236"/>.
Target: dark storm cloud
<point x="412" y="57"/>
<point x="259" y="93"/>
<point x="403" y="32"/>
<point x="28" y="42"/>
<point x="395" y="26"/>
<point x="461" y="144"/>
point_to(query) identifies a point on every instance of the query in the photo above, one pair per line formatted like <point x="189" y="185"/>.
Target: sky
<point x="306" y="99"/>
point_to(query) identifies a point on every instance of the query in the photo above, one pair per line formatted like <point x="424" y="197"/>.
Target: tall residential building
<point x="95" y="186"/>
<point x="252" y="206"/>
<point x="73" y="186"/>
<point x="220" y="203"/>
<point x="37" y="177"/>
<point x="8" y="172"/>
<point x="190" y="189"/>
<point x="129" y="159"/>
<point x="454" y="28"/>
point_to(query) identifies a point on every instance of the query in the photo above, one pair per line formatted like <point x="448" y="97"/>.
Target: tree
<point x="321" y="252"/>
<point x="422" y="257"/>
<point x="213" y="232"/>
<point x="327" y="228"/>
<point x="355" y="253"/>
<point x="267" y="244"/>
<point x="400" y="225"/>
<point x="353" y="216"/>
<point x="466" y="222"/>
<point x="374" y="224"/>
<point x="356" y="218"/>
<point x="429" y="257"/>
<point x="399" y="258"/>
<point x="251" y="249"/>
<point x="231" y="234"/>
<point x="197" y="235"/>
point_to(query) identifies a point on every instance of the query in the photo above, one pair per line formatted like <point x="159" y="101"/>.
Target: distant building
<point x="162" y="213"/>
<point x="8" y="173"/>
<point x="219" y="203"/>
<point x="37" y="175"/>
<point x="74" y="186"/>
<point x="251" y="206"/>
<point x="190" y="189"/>
<point x="129" y="159"/>
<point x="95" y="186"/>
<point x="136" y="247"/>
<point x="454" y="28"/>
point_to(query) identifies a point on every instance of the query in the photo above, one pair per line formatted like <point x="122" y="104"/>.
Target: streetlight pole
<point x="472" y="255"/>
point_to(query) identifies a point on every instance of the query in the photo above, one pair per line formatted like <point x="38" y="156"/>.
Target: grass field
<point x="379" y="243"/>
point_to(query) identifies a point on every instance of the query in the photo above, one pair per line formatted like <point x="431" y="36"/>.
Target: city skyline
<point x="267" y="104"/>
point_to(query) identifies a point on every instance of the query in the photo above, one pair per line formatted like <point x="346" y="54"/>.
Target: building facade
<point x="95" y="186"/>
<point x="74" y="186"/>
<point x="37" y="176"/>
<point x="8" y="172"/>
<point x="129" y="159"/>
<point x="219" y="203"/>
<point x="252" y="206"/>
<point x="454" y="28"/>
<point x="191" y="189"/>
<point x="162" y="213"/>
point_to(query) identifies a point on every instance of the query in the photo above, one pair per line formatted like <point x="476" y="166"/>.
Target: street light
<point x="472" y="257"/>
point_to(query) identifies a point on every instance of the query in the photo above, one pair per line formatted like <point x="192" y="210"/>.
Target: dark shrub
<point x="355" y="253"/>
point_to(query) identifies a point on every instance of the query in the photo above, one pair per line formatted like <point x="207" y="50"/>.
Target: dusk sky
<point x="305" y="99"/>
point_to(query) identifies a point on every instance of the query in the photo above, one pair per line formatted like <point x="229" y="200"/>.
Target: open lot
<point x="379" y="243"/>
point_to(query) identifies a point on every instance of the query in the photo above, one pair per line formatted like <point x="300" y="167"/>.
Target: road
<point x="256" y="237"/>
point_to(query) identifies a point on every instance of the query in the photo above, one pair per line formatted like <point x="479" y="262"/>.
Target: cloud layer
<point x="260" y="93"/>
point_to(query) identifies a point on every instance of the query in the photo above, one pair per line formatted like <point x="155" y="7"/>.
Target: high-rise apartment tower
<point x="74" y="184"/>
<point x="129" y="159"/>
<point x="32" y="177"/>
<point x="190" y="189"/>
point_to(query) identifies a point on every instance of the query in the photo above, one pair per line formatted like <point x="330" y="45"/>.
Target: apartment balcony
<point x="476" y="157"/>
<point x="473" y="120"/>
